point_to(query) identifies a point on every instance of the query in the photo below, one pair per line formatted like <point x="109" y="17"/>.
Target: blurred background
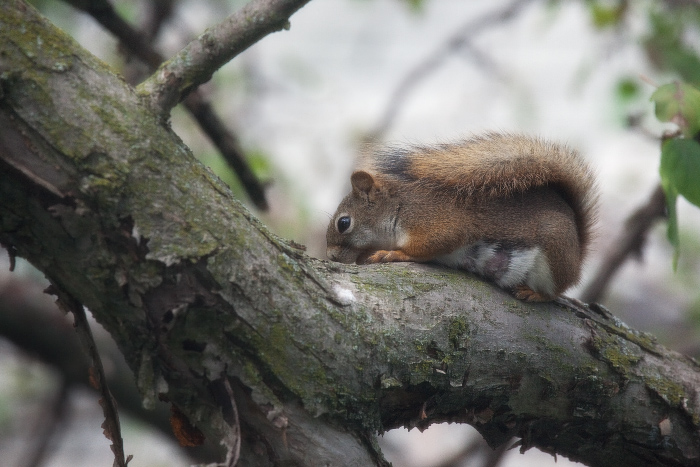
<point x="299" y="105"/>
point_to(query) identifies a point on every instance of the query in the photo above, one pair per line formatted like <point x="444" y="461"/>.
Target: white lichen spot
<point x="342" y="295"/>
<point x="162" y="385"/>
<point x="213" y="366"/>
<point x="121" y="277"/>
<point x="136" y="234"/>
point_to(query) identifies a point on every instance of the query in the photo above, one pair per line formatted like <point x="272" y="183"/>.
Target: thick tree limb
<point x="201" y="110"/>
<point x="108" y="203"/>
<point x="195" y="64"/>
<point x="36" y="327"/>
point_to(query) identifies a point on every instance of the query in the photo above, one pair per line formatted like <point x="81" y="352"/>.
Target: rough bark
<point x="105" y="199"/>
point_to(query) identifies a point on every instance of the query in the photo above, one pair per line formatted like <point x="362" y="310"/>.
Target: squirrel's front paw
<point x="386" y="256"/>
<point x="523" y="292"/>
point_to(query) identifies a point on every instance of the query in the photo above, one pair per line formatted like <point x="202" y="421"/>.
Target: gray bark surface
<point x="99" y="194"/>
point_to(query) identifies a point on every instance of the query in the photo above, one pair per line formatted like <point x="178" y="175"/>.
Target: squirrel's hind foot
<point x="523" y="292"/>
<point x="385" y="256"/>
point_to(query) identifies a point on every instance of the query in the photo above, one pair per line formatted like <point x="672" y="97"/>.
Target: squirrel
<point x="513" y="209"/>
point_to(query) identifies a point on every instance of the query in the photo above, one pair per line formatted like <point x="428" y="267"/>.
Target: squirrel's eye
<point x="344" y="223"/>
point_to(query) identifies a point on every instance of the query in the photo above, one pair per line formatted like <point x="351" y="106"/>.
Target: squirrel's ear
<point x="362" y="182"/>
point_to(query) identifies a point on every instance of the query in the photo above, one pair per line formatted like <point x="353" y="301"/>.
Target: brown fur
<point x="500" y="188"/>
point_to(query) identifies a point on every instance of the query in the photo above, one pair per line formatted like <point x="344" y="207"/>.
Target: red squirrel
<point x="513" y="209"/>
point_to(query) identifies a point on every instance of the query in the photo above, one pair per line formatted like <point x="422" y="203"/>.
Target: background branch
<point x="98" y="380"/>
<point x="195" y="64"/>
<point x="458" y="41"/>
<point x="138" y="44"/>
<point x="37" y="328"/>
<point x="629" y="243"/>
<point x="47" y="426"/>
<point x="319" y="356"/>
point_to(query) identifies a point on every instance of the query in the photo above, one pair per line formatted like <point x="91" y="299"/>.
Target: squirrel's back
<point x="493" y="165"/>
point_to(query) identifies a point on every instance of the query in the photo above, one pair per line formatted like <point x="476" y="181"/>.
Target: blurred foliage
<point x="606" y="13"/>
<point x="679" y="103"/>
<point x="414" y="5"/>
<point x="628" y="89"/>
<point x="669" y="44"/>
<point x="680" y="175"/>
<point x="671" y="41"/>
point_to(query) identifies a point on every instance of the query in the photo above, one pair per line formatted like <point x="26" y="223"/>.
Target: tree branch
<point x="201" y="110"/>
<point x="630" y="243"/>
<point x="195" y="64"/>
<point x="36" y="327"/>
<point x="108" y="203"/>
<point x="98" y="380"/>
<point x="459" y="40"/>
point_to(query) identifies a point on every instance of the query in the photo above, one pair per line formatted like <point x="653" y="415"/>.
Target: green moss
<point x="670" y="391"/>
<point x="288" y="264"/>
<point x="399" y="281"/>
<point x="421" y="371"/>
<point x="617" y="352"/>
<point x="458" y="332"/>
<point x="551" y="347"/>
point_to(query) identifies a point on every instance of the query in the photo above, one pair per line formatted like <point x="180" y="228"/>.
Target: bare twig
<point x="459" y="40"/>
<point x="157" y="13"/>
<point x="98" y="380"/>
<point x="630" y="243"/>
<point x="230" y="412"/>
<point x="195" y="64"/>
<point x="139" y="44"/>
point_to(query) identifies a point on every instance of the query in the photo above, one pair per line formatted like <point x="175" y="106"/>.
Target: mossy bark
<point x="99" y="194"/>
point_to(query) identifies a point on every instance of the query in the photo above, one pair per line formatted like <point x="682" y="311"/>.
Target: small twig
<point x="630" y="242"/>
<point x="138" y="44"/>
<point x="157" y="13"/>
<point x="98" y="380"/>
<point x="457" y="41"/>
<point x="195" y="64"/>
<point x="231" y="417"/>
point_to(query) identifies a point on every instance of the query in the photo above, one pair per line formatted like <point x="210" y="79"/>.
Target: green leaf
<point x="607" y="15"/>
<point x="627" y="89"/>
<point x="680" y="175"/>
<point x="679" y="103"/>
<point x="680" y="168"/>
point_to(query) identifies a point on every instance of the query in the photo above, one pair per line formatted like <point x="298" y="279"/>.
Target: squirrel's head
<point x="365" y="220"/>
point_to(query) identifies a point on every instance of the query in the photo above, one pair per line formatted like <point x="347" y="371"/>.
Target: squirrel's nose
<point x="332" y="253"/>
<point x="341" y="255"/>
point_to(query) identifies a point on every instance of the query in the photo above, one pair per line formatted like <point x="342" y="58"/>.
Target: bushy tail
<point x="495" y="165"/>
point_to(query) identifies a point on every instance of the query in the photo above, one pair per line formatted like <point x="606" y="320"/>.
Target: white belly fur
<point x="507" y="267"/>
